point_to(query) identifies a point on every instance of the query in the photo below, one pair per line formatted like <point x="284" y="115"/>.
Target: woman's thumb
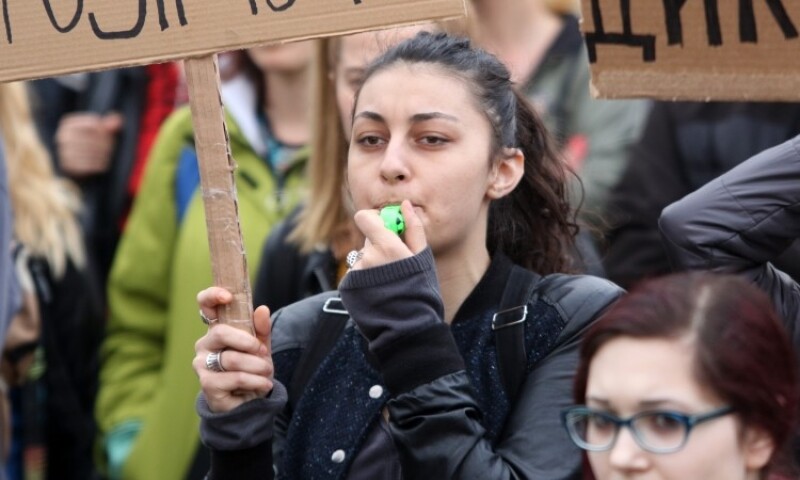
<point x="414" y="235"/>
<point x="263" y="325"/>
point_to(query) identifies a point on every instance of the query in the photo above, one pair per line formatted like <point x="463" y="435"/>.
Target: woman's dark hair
<point x="534" y="225"/>
<point x="742" y="351"/>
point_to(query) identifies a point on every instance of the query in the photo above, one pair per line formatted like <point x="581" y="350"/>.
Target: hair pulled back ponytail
<point x="535" y="225"/>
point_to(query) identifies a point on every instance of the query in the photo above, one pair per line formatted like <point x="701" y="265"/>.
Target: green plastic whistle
<point x="393" y="219"/>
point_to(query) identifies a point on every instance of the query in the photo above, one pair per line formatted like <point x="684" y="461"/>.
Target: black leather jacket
<point x="448" y="414"/>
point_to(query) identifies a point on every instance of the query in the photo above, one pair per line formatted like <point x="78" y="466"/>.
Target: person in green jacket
<point x="145" y="405"/>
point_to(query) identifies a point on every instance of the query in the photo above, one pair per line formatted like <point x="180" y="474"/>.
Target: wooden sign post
<point x="228" y="259"/>
<point x="41" y="38"/>
<point x="694" y="49"/>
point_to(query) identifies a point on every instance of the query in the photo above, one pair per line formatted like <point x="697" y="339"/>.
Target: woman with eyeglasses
<point x="689" y="377"/>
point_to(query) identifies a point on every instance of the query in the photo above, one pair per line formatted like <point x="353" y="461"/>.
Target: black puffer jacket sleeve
<point x="684" y="146"/>
<point x="434" y="416"/>
<point x="740" y="222"/>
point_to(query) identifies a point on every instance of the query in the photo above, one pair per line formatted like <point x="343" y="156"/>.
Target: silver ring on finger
<point x="206" y="320"/>
<point x="353" y="257"/>
<point x="214" y="361"/>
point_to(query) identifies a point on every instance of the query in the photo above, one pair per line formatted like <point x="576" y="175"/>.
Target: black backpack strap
<point x="508" y="325"/>
<point x="332" y="320"/>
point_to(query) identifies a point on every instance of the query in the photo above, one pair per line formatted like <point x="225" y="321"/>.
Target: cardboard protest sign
<point x="40" y="38"/>
<point x="694" y="49"/>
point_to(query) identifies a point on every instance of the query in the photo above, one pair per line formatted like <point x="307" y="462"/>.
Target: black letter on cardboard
<point x="132" y="33"/>
<point x="646" y="42"/>
<point x="72" y="23"/>
<point x="162" y="16"/>
<point x="7" y="22"/>
<point x="278" y="8"/>
<point x="672" y="12"/>
<point x="747" y="20"/>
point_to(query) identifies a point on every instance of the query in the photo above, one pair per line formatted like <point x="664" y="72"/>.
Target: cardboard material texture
<point x="694" y="49"/>
<point x="228" y="258"/>
<point x="41" y="38"/>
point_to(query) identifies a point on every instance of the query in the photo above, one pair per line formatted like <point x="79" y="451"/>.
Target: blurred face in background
<point x="285" y="58"/>
<point x="355" y="53"/>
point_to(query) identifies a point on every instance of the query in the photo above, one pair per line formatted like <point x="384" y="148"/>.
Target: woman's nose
<point x="626" y="454"/>
<point x="394" y="165"/>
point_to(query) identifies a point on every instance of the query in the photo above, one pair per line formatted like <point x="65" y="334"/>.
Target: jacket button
<point x="376" y="391"/>
<point x="338" y="456"/>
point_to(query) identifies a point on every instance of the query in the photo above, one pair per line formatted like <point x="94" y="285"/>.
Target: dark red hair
<point x="742" y="351"/>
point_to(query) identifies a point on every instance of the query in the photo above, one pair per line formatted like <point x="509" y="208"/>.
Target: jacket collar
<point x="487" y="293"/>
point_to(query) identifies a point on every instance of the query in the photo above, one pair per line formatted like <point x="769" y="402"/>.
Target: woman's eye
<point x="370" y="140"/>
<point x="664" y="422"/>
<point x="600" y="422"/>
<point x="433" y="140"/>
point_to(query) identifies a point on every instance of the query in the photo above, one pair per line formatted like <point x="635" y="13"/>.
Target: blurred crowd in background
<point x="105" y="228"/>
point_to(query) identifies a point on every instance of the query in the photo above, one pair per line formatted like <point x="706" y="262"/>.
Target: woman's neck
<point x="519" y="33"/>
<point x="458" y="275"/>
<point x="287" y="106"/>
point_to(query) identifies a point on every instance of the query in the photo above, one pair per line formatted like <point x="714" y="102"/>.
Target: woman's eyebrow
<point x="416" y="118"/>
<point x="370" y="116"/>
<point x="664" y="403"/>
<point x="422" y="117"/>
<point x="600" y="401"/>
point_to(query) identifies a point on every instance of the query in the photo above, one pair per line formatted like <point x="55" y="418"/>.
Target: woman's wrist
<point x="395" y="300"/>
<point x="246" y="426"/>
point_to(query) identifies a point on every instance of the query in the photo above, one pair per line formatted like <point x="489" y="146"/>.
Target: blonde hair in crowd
<point x="325" y="212"/>
<point x="45" y="207"/>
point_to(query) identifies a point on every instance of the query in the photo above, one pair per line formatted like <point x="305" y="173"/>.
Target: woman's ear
<point x="506" y="173"/>
<point x="757" y="448"/>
